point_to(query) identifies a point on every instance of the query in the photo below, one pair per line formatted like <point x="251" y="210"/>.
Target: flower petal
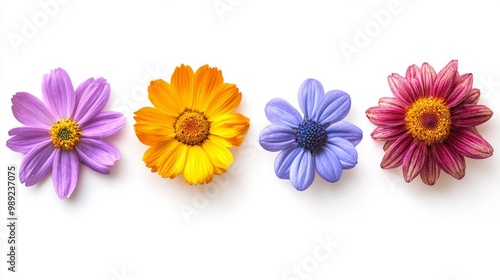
<point x="171" y="158"/>
<point x="284" y="161"/>
<point x="428" y="77"/>
<point x="231" y="126"/>
<point x="460" y="92"/>
<point x="310" y="92"/>
<point x="165" y="98"/>
<point x="345" y="130"/>
<point x="65" y="172"/>
<point x="470" y="115"/>
<point x="469" y="144"/>
<point x="224" y="101"/>
<point x="58" y="93"/>
<point x="445" y="80"/>
<point x="387" y="133"/>
<point x="153" y="126"/>
<point x="401" y="89"/>
<point x="37" y="163"/>
<point x="395" y="154"/>
<point x="430" y="171"/>
<point x="103" y="125"/>
<point x="449" y="160"/>
<point x="29" y="110"/>
<point x="302" y="170"/>
<point x="345" y="152"/>
<point x="219" y="155"/>
<point x="414" y="160"/>
<point x="328" y="165"/>
<point x="92" y="100"/>
<point x="276" y="137"/>
<point x="198" y="168"/>
<point x="97" y="154"/>
<point x="208" y="81"/>
<point x="279" y="111"/>
<point x="386" y="116"/>
<point x="26" y="138"/>
<point x="183" y="82"/>
<point x="333" y="107"/>
<point x="391" y="102"/>
<point x="472" y="97"/>
<point x="414" y="78"/>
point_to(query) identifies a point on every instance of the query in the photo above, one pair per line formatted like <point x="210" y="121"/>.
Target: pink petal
<point x="387" y="133"/>
<point x="58" y="93"/>
<point x="469" y="144"/>
<point x="388" y="144"/>
<point x="472" y="97"/>
<point x="65" y="172"/>
<point x="92" y="100"/>
<point x="430" y="171"/>
<point x="414" y="160"/>
<point x="445" y="80"/>
<point x="30" y="111"/>
<point x="414" y="77"/>
<point x="37" y="163"/>
<point x="401" y="89"/>
<point x="391" y="101"/>
<point x="428" y="77"/>
<point x="449" y="160"/>
<point x="386" y="116"/>
<point x="470" y="115"/>
<point x="395" y="153"/>
<point x="25" y="138"/>
<point x="103" y="125"/>
<point x="460" y="91"/>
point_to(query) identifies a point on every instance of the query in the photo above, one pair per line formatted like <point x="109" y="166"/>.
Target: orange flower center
<point x="429" y="120"/>
<point x="65" y="134"/>
<point x="191" y="128"/>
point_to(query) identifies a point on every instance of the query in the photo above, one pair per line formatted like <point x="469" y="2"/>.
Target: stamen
<point x="311" y="135"/>
<point x="191" y="128"/>
<point x="65" y="134"/>
<point x="429" y="120"/>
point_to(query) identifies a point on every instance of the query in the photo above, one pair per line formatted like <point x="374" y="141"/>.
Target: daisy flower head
<point x="191" y="125"/>
<point x="319" y="141"/>
<point x="65" y="129"/>
<point x="430" y="123"/>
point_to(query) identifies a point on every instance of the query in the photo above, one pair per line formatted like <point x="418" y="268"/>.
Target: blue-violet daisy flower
<point x="64" y="130"/>
<point x="319" y="141"/>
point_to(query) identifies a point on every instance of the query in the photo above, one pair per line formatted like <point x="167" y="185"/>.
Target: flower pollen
<point x="429" y="120"/>
<point x="311" y="135"/>
<point x="191" y="128"/>
<point x="65" y="134"/>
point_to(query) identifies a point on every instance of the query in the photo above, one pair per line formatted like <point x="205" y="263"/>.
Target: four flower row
<point x="428" y="126"/>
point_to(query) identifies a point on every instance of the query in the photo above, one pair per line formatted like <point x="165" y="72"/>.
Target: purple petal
<point x="302" y="170"/>
<point x="30" y="111"/>
<point x="25" y="138"/>
<point x="37" y="163"/>
<point x="276" y="137"/>
<point x="103" y="125"/>
<point x="345" y="151"/>
<point x="345" y="130"/>
<point x="333" y="106"/>
<point x="310" y="93"/>
<point x="414" y="160"/>
<point x="284" y="161"/>
<point x="328" y="165"/>
<point x="58" y="93"/>
<point x="469" y="144"/>
<point x="281" y="112"/>
<point x="449" y="160"/>
<point x="65" y="172"/>
<point x="92" y="100"/>
<point x="97" y="154"/>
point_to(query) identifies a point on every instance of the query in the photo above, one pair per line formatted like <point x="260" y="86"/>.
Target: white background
<point x="133" y="224"/>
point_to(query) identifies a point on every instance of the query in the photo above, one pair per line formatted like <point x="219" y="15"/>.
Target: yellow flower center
<point x="191" y="128"/>
<point x="65" y="134"/>
<point x="429" y="120"/>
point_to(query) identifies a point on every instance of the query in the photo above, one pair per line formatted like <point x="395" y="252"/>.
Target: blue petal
<point x="334" y="106"/>
<point x="345" y="130"/>
<point x="302" y="170"/>
<point x="310" y="93"/>
<point x="276" y="137"/>
<point x="328" y="165"/>
<point x="284" y="161"/>
<point x="281" y="112"/>
<point x="345" y="152"/>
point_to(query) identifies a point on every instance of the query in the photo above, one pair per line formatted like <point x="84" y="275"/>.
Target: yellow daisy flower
<point x="191" y="125"/>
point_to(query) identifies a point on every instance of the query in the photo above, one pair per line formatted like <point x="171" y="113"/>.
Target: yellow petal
<point x="198" y="168"/>
<point x="153" y="126"/>
<point x="230" y="126"/>
<point x="226" y="99"/>
<point x="183" y="82"/>
<point x="165" y="98"/>
<point x="172" y="162"/>
<point x="208" y="81"/>
<point x="219" y="155"/>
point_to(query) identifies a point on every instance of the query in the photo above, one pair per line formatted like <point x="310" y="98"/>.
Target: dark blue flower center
<point x="311" y="135"/>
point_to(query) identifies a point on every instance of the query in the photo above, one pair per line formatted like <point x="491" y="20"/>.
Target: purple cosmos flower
<point x="65" y="129"/>
<point x="318" y="141"/>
